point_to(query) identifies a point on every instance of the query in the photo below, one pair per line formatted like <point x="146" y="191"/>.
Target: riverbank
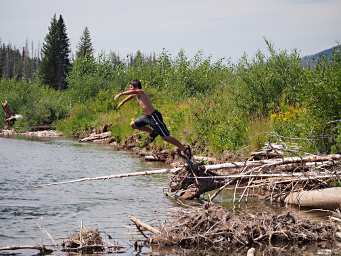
<point x="28" y="134"/>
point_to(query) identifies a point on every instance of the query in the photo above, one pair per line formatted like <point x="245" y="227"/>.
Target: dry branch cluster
<point x="85" y="238"/>
<point x="216" y="228"/>
<point x="274" y="177"/>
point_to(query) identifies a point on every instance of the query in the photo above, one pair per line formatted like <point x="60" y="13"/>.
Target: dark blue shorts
<point x="155" y="121"/>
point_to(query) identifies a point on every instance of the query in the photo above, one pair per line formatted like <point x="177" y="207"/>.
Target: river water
<point x="25" y="211"/>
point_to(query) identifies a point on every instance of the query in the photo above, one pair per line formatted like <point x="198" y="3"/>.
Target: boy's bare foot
<point x="186" y="153"/>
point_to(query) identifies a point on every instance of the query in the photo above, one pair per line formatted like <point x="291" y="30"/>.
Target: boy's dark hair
<point x="136" y="83"/>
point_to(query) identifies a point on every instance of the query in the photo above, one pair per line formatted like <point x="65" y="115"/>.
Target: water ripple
<point x="102" y="204"/>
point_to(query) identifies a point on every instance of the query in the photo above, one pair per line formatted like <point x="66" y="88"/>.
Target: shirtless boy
<point x="152" y="121"/>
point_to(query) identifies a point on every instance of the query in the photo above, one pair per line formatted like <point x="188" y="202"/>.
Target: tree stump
<point x="8" y="113"/>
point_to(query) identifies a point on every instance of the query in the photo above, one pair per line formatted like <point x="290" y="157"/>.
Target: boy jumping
<point x="152" y="121"/>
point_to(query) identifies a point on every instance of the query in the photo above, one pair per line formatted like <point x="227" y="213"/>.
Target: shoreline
<point x="37" y="134"/>
<point x="148" y="153"/>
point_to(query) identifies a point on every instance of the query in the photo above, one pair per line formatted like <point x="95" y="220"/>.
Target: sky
<point x="219" y="28"/>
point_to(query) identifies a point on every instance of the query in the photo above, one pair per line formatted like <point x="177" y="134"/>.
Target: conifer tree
<point x="63" y="56"/>
<point x="55" y="60"/>
<point x="85" y="46"/>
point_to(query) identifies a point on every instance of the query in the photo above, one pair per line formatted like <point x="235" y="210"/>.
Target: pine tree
<point x="56" y="49"/>
<point x="63" y="56"/>
<point x="85" y="45"/>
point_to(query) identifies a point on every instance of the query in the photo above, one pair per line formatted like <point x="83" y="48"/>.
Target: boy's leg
<point x="175" y="142"/>
<point x="142" y="128"/>
<point x="160" y="127"/>
<point x="183" y="151"/>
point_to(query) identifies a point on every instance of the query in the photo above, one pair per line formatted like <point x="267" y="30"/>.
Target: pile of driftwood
<point x="213" y="227"/>
<point x="307" y="181"/>
<point x="85" y="238"/>
<point x="276" y="179"/>
<point x="85" y="241"/>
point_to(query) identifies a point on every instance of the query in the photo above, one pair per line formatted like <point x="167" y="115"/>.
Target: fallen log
<point x="95" y="136"/>
<point x="114" y="176"/>
<point x="329" y="198"/>
<point x="151" y="158"/>
<point x="143" y="226"/>
<point x="41" y="248"/>
<point x="273" y="162"/>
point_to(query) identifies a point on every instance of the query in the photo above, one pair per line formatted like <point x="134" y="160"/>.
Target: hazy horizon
<point x="222" y="29"/>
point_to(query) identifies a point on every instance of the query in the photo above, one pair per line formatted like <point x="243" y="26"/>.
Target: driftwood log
<point x="114" y="176"/>
<point x="41" y="248"/>
<point x="141" y="226"/>
<point x="98" y="137"/>
<point x="273" y="162"/>
<point x="329" y="198"/>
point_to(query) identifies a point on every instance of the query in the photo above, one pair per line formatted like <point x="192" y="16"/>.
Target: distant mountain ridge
<point x="312" y="60"/>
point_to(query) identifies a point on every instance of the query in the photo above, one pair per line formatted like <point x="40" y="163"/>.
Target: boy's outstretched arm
<point x="125" y="100"/>
<point x="129" y="92"/>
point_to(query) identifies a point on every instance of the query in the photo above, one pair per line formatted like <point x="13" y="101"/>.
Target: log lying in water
<point x="274" y="163"/>
<point x="114" y="176"/>
<point x="143" y="226"/>
<point x="329" y="198"/>
<point x="41" y="248"/>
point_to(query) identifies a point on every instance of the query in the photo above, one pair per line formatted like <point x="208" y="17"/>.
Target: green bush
<point x="38" y="104"/>
<point x="80" y="122"/>
<point x="210" y="103"/>
<point x="262" y="84"/>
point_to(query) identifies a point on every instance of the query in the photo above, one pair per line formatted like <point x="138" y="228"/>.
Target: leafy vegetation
<point x="39" y="104"/>
<point x="212" y="104"/>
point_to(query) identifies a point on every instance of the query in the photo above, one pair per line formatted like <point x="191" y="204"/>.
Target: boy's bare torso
<point x="145" y="103"/>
